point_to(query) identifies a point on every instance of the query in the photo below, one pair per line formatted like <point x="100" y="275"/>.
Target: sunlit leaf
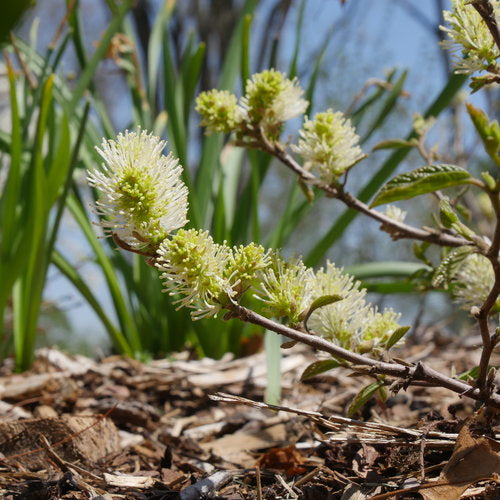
<point x="421" y="181"/>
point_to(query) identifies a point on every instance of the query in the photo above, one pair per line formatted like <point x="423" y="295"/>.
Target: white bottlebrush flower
<point x="329" y="144"/>
<point x="470" y="40"/>
<point x="271" y="99"/>
<point x="341" y="322"/>
<point x="142" y="196"/>
<point x="194" y="267"/>
<point x="379" y="326"/>
<point x="285" y="288"/>
<point x="395" y="213"/>
<point x="473" y="281"/>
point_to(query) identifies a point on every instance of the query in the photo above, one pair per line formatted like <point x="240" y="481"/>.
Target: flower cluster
<point x="350" y="322"/>
<point x="145" y="204"/>
<point x="207" y="275"/>
<point x="473" y="281"/>
<point x="270" y="99"/>
<point x="192" y="266"/>
<point x="329" y="144"/>
<point x="285" y="288"/>
<point x="289" y="288"/>
<point x="470" y="41"/>
<point x="142" y="196"/>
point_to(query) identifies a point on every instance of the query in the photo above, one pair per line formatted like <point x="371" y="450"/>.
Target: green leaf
<point x="397" y="335"/>
<point x="272" y="343"/>
<point x="384" y="269"/>
<point x="363" y="396"/>
<point x="488" y="131"/>
<point x="392" y="144"/>
<point x="322" y="301"/>
<point x="422" y="180"/>
<point x="388" y="107"/>
<point x="89" y="70"/>
<point x="319" y="367"/>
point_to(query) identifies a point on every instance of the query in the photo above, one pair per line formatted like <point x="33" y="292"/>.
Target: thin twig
<point x="407" y="373"/>
<point x="489" y="341"/>
<point x="397" y="230"/>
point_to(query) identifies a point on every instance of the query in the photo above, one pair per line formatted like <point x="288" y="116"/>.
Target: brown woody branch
<point x="397" y="229"/>
<point x="408" y="374"/>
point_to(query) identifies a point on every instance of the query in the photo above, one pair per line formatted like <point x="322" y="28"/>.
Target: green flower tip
<point x="329" y="144"/>
<point x="141" y="195"/>
<point x="219" y="111"/>
<point x="469" y="39"/>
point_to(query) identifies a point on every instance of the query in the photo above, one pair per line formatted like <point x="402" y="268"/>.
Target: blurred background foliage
<point x="75" y="71"/>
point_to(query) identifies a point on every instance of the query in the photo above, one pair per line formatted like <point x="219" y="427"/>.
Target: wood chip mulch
<point x="77" y="428"/>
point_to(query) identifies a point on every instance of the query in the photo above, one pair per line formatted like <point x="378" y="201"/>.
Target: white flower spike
<point x="142" y="196"/>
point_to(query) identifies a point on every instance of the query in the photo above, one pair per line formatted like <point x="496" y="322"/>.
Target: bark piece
<point x="88" y="439"/>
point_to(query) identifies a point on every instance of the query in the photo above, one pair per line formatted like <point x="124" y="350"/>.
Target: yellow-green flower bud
<point x="244" y="264"/>
<point x="379" y="326"/>
<point x="219" y="111"/>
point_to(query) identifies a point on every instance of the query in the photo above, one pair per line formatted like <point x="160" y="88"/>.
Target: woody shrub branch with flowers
<point x="143" y="202"/>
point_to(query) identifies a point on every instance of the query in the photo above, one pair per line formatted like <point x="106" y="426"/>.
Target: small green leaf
<point x="319" y="367"/>
<point x="489" y="131"/>
<point x="397" y="335"/>
<point x="392" y="144"/>
<point x="421" y="181"/>
<point x="447" y="215"/>
<point x="469" y="374"/>
<point x="363" y="396"/>
<point x="324" y="300"/>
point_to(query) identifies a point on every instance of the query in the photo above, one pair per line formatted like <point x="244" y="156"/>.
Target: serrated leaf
<point x="449" y="265"/>
<point x="422" y="180"/>
<point x="392" y="144"/>
<point x="319" y="367"/>
<point x="397" y="335"/>
<point x="322" y="301"/>
<point x="363" y="396"/>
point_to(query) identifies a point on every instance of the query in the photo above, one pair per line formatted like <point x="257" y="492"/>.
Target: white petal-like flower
<point x="379" y="326"/>
<point x="395" y="213"/>
<point x="470" y="41"/>
<point x="341" y="322"/>
<point x="194" y="267"/>
<point x="285" y="288"/>
<point x="329" y="144"/>
<point x="473" y="281"/>
<point x="271" y="99"/>
<point x="142" y="196"/>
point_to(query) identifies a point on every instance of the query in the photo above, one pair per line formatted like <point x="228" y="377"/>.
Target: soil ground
<point x="77" y="428"/>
